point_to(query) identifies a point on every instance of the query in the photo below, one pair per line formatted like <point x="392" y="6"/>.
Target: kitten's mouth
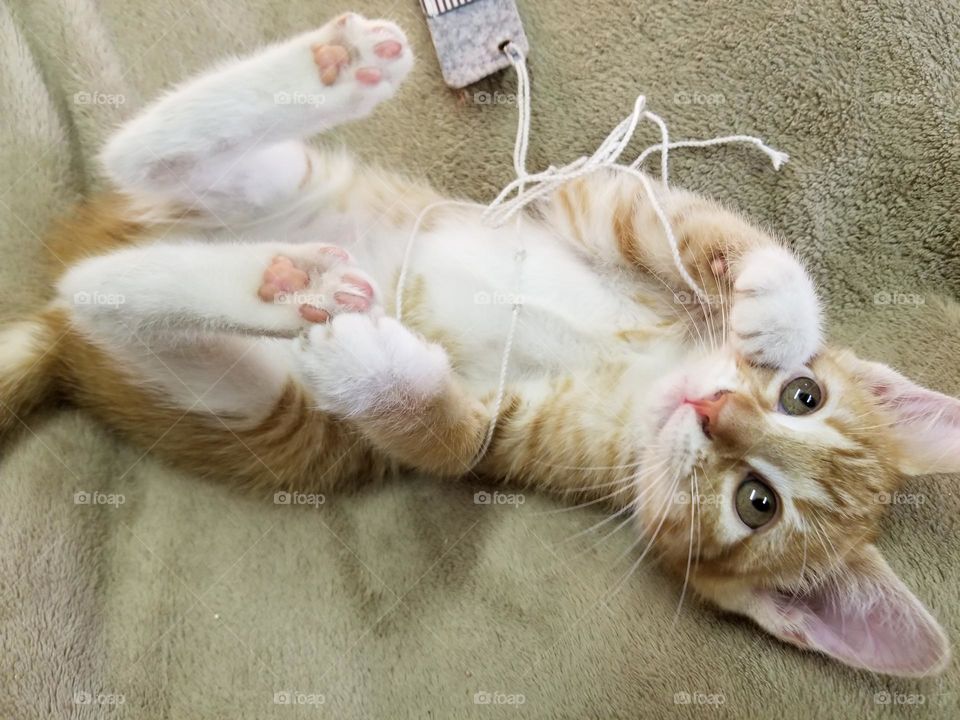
<point x="703" y="416"/>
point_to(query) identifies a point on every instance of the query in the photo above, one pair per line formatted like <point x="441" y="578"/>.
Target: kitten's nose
<point x="708" y="409"/>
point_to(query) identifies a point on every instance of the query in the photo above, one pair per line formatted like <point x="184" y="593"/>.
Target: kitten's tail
<point x="28" y="367"/>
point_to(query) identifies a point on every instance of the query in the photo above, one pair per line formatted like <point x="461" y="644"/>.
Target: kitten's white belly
<point x="470" y="279"/>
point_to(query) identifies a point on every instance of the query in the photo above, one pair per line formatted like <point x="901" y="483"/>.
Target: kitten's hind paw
<point x="358" y="364"/>
<point x="320" y="281"/>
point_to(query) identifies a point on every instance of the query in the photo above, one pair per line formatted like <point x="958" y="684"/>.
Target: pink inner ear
<point x="928" y="421"/>
<point x="879" y="626"/>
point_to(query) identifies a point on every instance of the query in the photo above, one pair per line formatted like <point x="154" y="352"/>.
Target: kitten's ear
<point x="866" y="617"/>
<point x="926" y="423"/>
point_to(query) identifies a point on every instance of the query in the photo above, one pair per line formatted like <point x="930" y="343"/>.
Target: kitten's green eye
<point x="756" y="502"/>
<point x="800" y="396"/>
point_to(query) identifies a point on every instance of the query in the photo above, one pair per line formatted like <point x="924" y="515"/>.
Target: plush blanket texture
<point x="410" y="600"/>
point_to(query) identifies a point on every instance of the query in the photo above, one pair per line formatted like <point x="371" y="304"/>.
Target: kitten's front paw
<point x="368" y="59"/>
<point x="357" y="365"/>
<point x="775" y="319"/>
<point x="318" y="280"/>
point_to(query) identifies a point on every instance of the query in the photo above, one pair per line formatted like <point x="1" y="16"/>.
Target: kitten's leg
<point x="227" y="144"/>
<point x="774" y="313"/>
<point x="254" y="289"/>
<point x="397" y="388"/>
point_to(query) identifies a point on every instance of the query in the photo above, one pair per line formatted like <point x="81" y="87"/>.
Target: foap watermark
<point x="684" y="498"/>
<point x="298" y="498"/>
<point x="899" y="498"/>
<point x="82" y="497"/>
<point x="885" y="697"/>
<point x="695" y="97"/>
<point x="688" y="298"/>
<point x="299" y="98"/>
<point x="99" y="298"/>
<point x="498" y="498"/>
<point x="85" y="697"/>
<point x="484" y="697"/>
<point x="497" y="298"/>
<point x="482" y="97"/>
<point x="98" y="98"/>
<point x="296" y="697"/>
<point x="300" y="298"/>
<point x="898" y="98"/>
<point x="895" y="297"/>
<point x="698" y="698"/>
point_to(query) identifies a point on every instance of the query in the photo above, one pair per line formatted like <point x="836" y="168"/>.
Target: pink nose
<point x="708" y="409"/>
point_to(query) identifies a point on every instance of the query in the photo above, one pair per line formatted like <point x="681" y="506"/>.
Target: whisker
<point x="565" y="491"/>
<point x="699" y="537"/>
<point x="557" y="466"/>
<point x="663" y="518"/>
<point x="803" y="565"/>
<point x="707" y="314"/>
<point x="663" y="512"/>
<point x="630" y="516"/>
<point x="676" y="298"/>
<point x="633" y="478"/>
<point x="626" y="486"/>
<point x="686" y="576"/>
<point x="635" y="513"/>
<point x="834" y="558"/>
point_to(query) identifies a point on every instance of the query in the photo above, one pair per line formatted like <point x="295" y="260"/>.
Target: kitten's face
<point x="774" y="486"/>
<point x="767" y="487"/>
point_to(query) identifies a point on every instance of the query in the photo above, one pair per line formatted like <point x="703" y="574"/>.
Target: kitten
<point x="230" y="309"/>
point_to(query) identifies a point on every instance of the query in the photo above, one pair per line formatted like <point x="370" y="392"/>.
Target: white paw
<point x="358" y="364"/>
<point x="318" y="281"/>
<point x="776" y="314"/>
<point x="360" y="63"/>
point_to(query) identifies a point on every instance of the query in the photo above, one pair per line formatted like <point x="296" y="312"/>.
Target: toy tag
<point x="469" y="36"/>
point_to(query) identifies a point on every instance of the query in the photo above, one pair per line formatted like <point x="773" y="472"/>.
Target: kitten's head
<point x="769" y="490"/>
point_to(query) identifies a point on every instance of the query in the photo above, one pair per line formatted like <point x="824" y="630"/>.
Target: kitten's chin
<point x="673" y="453"/>
<point x="682" y="441"/>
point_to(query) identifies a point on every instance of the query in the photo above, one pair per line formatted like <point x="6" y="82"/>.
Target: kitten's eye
<point x="756" y="502"/>
<point x="800" y="396"/>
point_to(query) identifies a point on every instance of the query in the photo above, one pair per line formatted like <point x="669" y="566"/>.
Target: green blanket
<point x="192" y="600"/>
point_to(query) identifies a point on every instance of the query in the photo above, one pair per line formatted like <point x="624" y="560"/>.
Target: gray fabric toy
<point x="469" y="36"/>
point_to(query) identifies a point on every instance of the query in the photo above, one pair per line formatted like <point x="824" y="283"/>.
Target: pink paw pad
<point x="369" y="76"/>
<point x="388" y="49"/>
<point x="330" y="59"/>
<point x="314" y="314"/>
<point x="336" y="252"/>
<point x="282" y="276"/>
<point x="356" y="294"/>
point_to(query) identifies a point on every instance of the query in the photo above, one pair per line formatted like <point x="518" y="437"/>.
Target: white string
<point x="516" y="196"/>
<point x="519" y="257"/>
<point x="776" y="157"/>
<point x="408" y="252"/>
<point x="522" y="144"/>
<point x="502" y="209"/>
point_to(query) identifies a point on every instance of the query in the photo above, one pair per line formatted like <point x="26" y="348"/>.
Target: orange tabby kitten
<point x="228" y="308"/>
